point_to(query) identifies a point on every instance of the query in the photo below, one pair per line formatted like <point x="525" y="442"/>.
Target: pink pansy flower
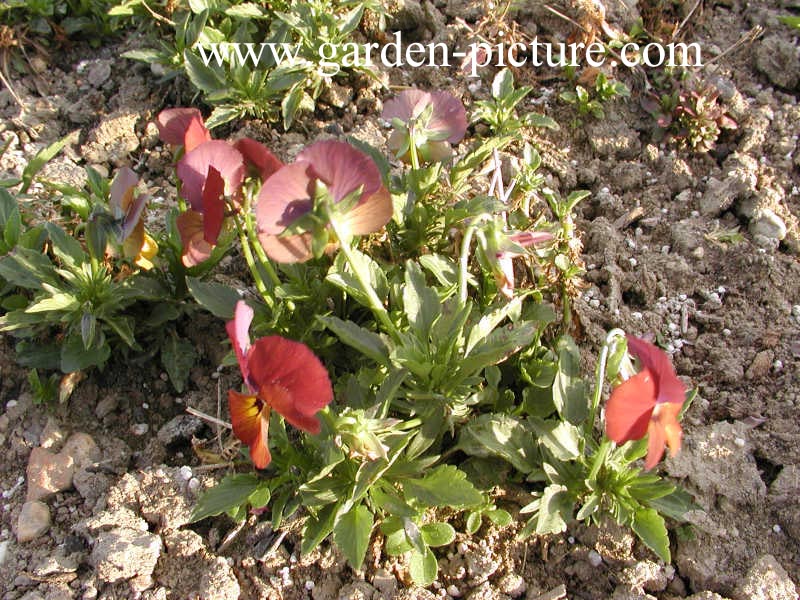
<point x="288" y="195"/>
<point x="280" y="374"/>
<point x="175" y="125"/>
<point x="648" y="404"/>
<point x="502" y="248"/>
<point x="430" y="120"/>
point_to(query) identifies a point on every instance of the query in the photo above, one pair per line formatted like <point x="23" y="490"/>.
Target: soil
<point x="656" y="262"/>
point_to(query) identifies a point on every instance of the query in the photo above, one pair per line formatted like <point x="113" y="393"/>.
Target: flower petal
<point x="258" y="155"/>
<point x="195" y="248"/>
<point x="343" y="168"/>
<point x="238" y="331"/>
<point x="192" y="170"/>
<point x="213" y="205"/>
<point x="655" y="446"/>
<point x="120" y="193"/>
<point x="173" y="123"/>
<point x="196" y="134"/>
<point x="133" y="216"/>
<point x="449" y="119"/>
<point x="289" y="249"/>
<point x="664" y="424"/>
<point x="630" y="407"/>
<point x="668" y="387"/>
<point x="284" y="197"/>
<point x="407" y="105"/>
<point x="250" y="420"/>
<point x="281" y="400"/>
<point x="276" y="361"/>
<point x="370" y="215"/>
<point x="529" y="238"/>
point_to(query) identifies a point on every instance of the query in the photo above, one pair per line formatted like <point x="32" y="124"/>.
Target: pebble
<point x="766" y="223"/>
<point x="3" y="551"/>
<point x="83" y="450"/>
<point x="34" y="520"/>
<point x="106" y="406"/>
<point x="48" y="473"/>
<point x="185" y="473"/>
<point x="140" y="428"/>
<point x="194" y="484"/>
<point x="776" y="528"/>
<point x="124" y="553"/>
<point x="179" y="429"/>
<point x="453" y="591"/>
<point x="594" y="558"/>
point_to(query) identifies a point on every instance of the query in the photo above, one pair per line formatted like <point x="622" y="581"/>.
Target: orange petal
<point x="250" y="420"/>
<point x="195" y="248"/>
<point x="370" y="215"/>
<point x="666" y="417"/>
<point x="629" y="408"/>
<point x="655" y="445"/>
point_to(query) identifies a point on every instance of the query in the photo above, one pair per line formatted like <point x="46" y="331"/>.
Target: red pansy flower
<point x="648" y="403"/>
<point x="280" y="374"/>
<point x="288" y="195"/>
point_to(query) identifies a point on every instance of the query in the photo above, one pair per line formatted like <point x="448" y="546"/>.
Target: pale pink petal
<point x="289" y="249"/>
<point x="172" y="124"/>
<point x="284" y="197"/>
<point x="192" y="170"/>
<point x="343" y="168"/>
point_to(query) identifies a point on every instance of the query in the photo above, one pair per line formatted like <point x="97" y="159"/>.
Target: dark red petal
<point x="449" y="117"/>
<point x="286" y="405"/>
<point x="172" y="124"/>
<point x="283" y="198"/>
<point x="258" y="155"/>
<point x="238" y="331"/>
<point x="196" y="134"/>
<point x="630" y="407"/>
<point x="668" y="387"/>
<point x="291" y="365"/>
<point x="250" y="421"/>
<point x="407" y="105"/>
<point x="195" y="248"/>
<point x="343" y="168"/>
<point x="289" y="249"/>
<point x="213" y="205"/>
<point x="192" y="170"/>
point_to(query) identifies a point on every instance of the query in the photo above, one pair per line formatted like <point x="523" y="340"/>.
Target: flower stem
<point x="375" y="303"/>
<point x="262" y="256"/>
<point x="251" y="263"/>
<point x="600" y="375"/>
<point x="464" y="258"/>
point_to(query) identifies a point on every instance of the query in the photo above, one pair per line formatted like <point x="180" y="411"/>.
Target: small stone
<point x="384" y="582"/>
<point x="106" y="406"/>
<point x="83" y="450"/>
<point x="99" y="73"/>
<point x="453" y="591"/>
<point x="185" y="473"/>
<point x="139" y="428"/>
<point x="594" y="558"/>
<point x="766" y="580"/>
<point x="179" y="429"/>
<point x="48" y="473"/>
<point x="124" y="553"/>
<point x="34" y="520"/>
<point x="645" y="575"/>
<point x="761" y="365"/>
<point x="778" y="60"/>
<point x="52" y="435"/>
<point x="512" y="584"/>
<point x="768" y="224"/>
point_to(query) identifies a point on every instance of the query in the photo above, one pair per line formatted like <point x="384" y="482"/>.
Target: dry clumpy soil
<point x="97" y="493"/>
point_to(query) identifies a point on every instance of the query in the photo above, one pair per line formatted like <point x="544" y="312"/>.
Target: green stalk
<point x="251" y="263"/>
<point x="262" y="256"/>
<point x="599" y="378"/>
<point x="375" y="303"/>
<point x="464" y="258"/>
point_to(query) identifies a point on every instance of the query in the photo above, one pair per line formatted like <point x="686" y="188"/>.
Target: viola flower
<point x="128" y="212"/>
<point x="280" y="374"/>
<point x="182" y="127"/>
<point x="648" y="403"/>
<point x="199" y="231"/>
<point x="502" y="248"/>
<point x="431" y="121"/>
<point x="289" y="194"/>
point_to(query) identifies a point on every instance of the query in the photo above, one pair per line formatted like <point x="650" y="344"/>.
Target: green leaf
<point x="74" y="357"/>
<point x="473" y="523"/>
<point x="423" y="568"/>
<point x="65" y="247"/>
<point x="490" y="321"/>
<point x="650" y="528"/>
<point x="230" y="493"/>
<point x="560" y="438"/>
<point x="421" y="303"/>
<point x="220" y="300"/>
<point x="245" y="10"/>
<point x="569" y="390"/>
<point x="442" y="268"/>
<point x="503" y="84"/>
<point x="260" y="497"/>
<point x="318" y="527"/>
<point x="555" y="507"/>
<point x="57" y="302"/>
<point x="438" y="534"/>
<point x="352" y="532"/>
<point x="500" y="517"/>
<point x="674" y="505"/>
<point x="42" y="157"/>
<point x="224" y="114"/>
<point x="27" y="268"/>
<point x="368" y="343"/>
<point x="291" y="103"/>
<point x="445" y="485"/>
<point x="148" y="55"/>
<point x="202" y="77"/>
<point x="498" y="346"/>
<point x="178" y="357"/>
<point x="503" y="436"/>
